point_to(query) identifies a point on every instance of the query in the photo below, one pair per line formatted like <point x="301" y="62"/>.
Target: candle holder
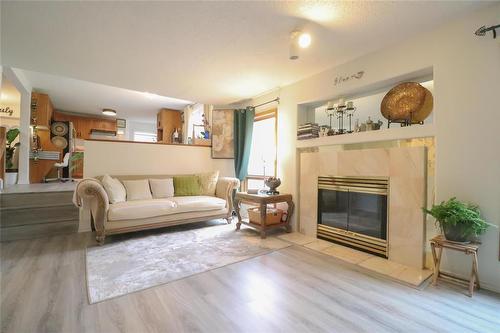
<point x="341" y="112"/>
<point x="350" y="112"/>
<point x="330" y="113"/>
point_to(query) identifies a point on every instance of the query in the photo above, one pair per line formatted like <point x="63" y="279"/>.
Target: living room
<point x="253" y="203"/>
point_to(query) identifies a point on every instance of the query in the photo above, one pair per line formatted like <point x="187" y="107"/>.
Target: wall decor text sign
<point x="6" y="111"/>
<point x="344" y="78"/>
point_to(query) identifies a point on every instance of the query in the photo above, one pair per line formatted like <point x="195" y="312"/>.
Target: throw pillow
<point x="187" y="185"/>
<point x="137" y="189"/>
<point x="114" y="188"/>
<point x="208" y="182"/>
<point x="162" y="188"/>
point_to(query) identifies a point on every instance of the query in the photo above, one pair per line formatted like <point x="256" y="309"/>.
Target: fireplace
<point x="353" y="211"/>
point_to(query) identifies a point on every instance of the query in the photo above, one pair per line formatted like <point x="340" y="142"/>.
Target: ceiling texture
<point x="87" y="97"/>
<point x="208" y="52"/>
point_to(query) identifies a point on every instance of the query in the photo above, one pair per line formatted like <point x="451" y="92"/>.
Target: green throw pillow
<point x="186" y="185"/>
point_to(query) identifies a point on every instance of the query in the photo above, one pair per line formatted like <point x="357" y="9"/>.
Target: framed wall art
<point x="222" y="134"/>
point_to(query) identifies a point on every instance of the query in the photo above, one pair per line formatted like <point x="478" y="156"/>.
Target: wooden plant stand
<point x="262" y="200"/>
<point x="440" y="243"/>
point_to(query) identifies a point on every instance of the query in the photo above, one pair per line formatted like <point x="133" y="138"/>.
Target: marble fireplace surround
<point x="406" y="169"/>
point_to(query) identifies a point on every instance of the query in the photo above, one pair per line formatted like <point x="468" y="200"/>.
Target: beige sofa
<point x="136" y="215"/>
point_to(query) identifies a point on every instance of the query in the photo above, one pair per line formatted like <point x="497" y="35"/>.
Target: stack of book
<point x="308" y="131"/>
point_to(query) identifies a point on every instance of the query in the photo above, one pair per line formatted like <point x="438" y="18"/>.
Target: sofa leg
<point x="100" y="239"/>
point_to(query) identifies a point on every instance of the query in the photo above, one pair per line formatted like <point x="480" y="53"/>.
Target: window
<point x="195" y="118"/>
<point x="144" y="137"/>
<point x="263" y="152"/>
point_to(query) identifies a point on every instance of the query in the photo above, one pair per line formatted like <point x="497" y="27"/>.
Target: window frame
<point x="271" y="113"/>
<point x="144" y="134"/>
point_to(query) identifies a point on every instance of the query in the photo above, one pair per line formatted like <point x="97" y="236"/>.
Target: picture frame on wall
<point x="121" y="123"/>
<point x="222" y="134"/>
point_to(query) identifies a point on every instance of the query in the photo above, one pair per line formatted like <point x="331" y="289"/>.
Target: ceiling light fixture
<point x="298" y="39"/>
<point x="109" y="112"/>
<point x="304" y="40"/>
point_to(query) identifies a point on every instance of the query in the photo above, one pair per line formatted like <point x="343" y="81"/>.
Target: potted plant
<point x="10" y="171"/>
<point x="459" y="221"/>
<point x="75" y="159"/>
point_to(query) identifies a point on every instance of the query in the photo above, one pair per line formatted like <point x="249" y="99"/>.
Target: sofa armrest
<point x="225" y="188"/>
<point x="90" y="193"/>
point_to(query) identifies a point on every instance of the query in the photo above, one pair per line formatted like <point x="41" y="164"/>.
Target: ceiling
<point x="87" y="97"/>
<point x="208" y="52"/>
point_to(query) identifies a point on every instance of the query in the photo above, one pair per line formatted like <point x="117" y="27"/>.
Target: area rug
<point x="135" y="264"/>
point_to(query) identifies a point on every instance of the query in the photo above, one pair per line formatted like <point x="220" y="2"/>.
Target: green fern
<point x="454" y="212"/>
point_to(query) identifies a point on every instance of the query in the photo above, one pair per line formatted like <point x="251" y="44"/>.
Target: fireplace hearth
<point x="353" y="211"/>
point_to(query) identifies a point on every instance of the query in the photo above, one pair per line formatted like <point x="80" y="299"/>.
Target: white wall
<point x="17" y="78"/>
<point x="10" y="98"/>
<point x="466" y="73"/>
<point x="117" y="158"/>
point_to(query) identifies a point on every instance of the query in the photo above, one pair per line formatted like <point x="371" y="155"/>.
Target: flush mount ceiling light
<point x="298" y="39"/>
<point x="304" y="40"/>
<point x="109" y="112"/>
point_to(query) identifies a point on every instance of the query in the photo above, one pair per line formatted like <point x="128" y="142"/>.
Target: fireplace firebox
<point x="352" y="211"/>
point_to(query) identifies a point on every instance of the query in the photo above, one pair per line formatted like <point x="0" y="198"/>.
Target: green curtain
<point x="243" y="129"/>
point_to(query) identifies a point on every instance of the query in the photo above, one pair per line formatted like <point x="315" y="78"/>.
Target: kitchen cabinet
<point x="104" y="124"/>
<point x="83" y="125"/>
<point x="167" y="121"/>
<point x="41" y="110"/>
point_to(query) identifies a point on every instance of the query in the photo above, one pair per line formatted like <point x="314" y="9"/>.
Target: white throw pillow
<point x="137" y="189"/>
<point x="114" y="188"/>
<point x="162" y="188"/>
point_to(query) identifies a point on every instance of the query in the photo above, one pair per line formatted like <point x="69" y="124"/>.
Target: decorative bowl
<point x="407" y="100"/>
<point x="272" y="183"/>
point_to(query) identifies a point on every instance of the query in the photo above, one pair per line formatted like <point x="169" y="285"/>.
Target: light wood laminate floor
<point x="291" y="290"/>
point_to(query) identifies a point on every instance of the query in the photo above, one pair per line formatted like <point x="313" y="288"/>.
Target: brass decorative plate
<point x="405" y="100"/>
<point x="59" y="142"/>
<point x="59" y="128"/>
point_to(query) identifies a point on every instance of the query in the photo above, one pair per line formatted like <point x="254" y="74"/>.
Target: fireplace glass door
<point x="368" y="214"/>
<point x="363" y="213"/>
<point x="333" y="208"/>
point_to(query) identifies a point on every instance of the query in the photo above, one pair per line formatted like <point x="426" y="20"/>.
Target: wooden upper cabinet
<point x="84" y="125"/>
<point x="41" y="110"/>
<point x="104" y="124"/>
<point x="167" y="121"/>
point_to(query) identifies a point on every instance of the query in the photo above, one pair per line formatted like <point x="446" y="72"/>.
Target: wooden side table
<point x="440" y="243"/>
<point x="262" y="200"/>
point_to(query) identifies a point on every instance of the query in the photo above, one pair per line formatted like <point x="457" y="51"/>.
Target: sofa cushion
<point x="140" y="209"/>
<point x="208" y="182"/>
<point x="137" y="189"/>
<point x="198" y="203"/>
<point x="162" y="188"/>
<point x="187" y="185"/>
<point x="114" y="189"/>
